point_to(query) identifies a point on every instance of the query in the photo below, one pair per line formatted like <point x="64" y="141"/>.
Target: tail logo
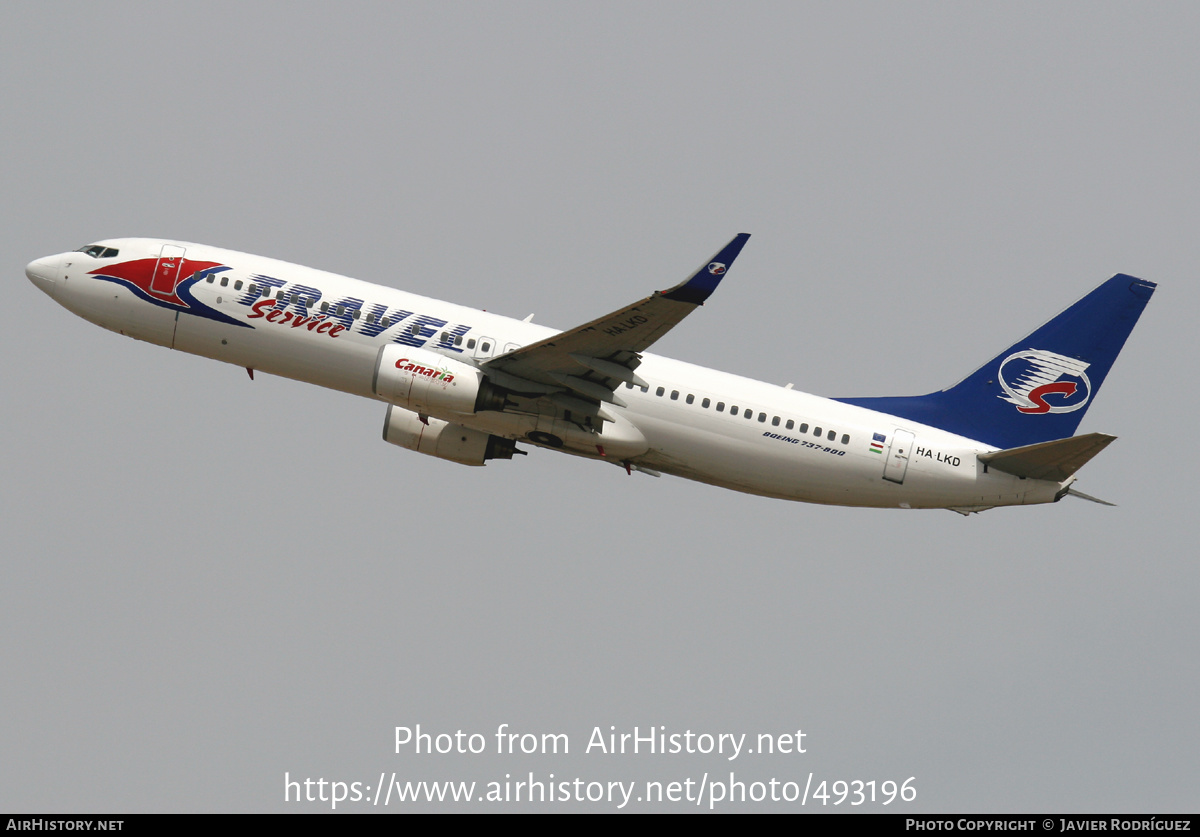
<point x="716" y="268"/>
<point x="1030" y="376"/>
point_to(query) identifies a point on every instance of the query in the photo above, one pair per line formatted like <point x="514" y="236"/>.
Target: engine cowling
<point x="426" y="382"/>
<point x="443" y="439"/>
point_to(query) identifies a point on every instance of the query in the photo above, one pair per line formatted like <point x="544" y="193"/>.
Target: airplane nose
<point x="44" y="273"/>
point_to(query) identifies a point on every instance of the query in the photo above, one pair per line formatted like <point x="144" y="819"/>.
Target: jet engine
<point x="443" y="439"/>
<point x="430" y="383"/>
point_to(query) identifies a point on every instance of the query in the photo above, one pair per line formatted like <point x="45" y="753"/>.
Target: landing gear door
<point x="897" y="456"/>
<point x="166" y="272"/>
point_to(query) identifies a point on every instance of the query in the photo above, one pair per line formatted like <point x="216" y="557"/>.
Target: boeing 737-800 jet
<point x="465" y="385"/>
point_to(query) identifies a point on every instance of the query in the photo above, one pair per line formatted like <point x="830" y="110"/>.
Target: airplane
<point x="466" y="385"/>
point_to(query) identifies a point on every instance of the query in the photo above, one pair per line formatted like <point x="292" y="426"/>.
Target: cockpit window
<point x="98" y="251"/>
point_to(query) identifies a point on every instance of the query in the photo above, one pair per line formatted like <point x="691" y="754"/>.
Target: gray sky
<point x="209" y="582"/>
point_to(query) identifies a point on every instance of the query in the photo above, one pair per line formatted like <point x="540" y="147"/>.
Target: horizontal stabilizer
<point x="1055" y="461"/>
<point x="1071" y="492"/>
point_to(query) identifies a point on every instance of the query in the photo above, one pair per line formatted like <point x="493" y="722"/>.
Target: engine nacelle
<point x="426" y="382"/>
<point x="443" y="439"/>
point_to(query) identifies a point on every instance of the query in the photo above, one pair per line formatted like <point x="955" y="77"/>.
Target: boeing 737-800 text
<point x="465" y="385"/>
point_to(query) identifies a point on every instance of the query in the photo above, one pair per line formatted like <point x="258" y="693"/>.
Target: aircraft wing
<point x="594" y="359"/>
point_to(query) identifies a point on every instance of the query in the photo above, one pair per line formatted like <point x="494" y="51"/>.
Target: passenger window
<point x="804" y="427"/>
<point x="224" y="281"/>
<point x="750" y="414"/>
<point x="674" y="395"/>
<point x="252" y="289"/>
<point x="817" y="432"/>
<point x="279" y="295"/>
<point x="691" y="399"/>
<point x="790" y="424"/>
<point x="357" y="313"/>
<point x="387" y="322"/>
<point x="416" y="327"/>
<point x="266" y="291"/>
<point x="458" y="340"/>
<point x="733" y="411"/>
<point x="471" y="343"/>
<point x="775" y="421"/>
<point x="705" y="403"/>
<point x="237" y="286"/>
<point x="660" y="391"/>
<point x="832" y="435"/>
<point x="371" y="317"/>
<point x="341" y="309"/>
<point x="720" y="406"/>
<point x="485" y="348"/>
<point x="845" y="438"/>
<point x="324" y="307"/>
<point x="210" y="279"/>
<point x="645" y="389"/>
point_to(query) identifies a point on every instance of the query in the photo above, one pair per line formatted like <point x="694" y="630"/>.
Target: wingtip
<point x="701" y="284"/>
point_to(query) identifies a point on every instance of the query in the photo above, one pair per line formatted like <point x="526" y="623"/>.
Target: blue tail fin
<point x="1039" y="388"/>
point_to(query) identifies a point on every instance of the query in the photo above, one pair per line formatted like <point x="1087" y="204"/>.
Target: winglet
<point x="704" y="281"/>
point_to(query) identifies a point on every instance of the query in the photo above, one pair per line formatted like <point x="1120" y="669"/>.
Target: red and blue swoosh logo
<point x="139" y="277"/>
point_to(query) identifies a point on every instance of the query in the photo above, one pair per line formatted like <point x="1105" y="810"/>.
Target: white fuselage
<point x="780" y="443"/>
